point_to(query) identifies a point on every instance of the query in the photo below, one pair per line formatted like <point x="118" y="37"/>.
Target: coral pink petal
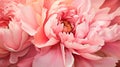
<point x="113" y="4"/>
<point x="53" y="58"/>
<point x="48" y="3"/>
<point x="40" y="39"/>
<point x="4" y="62"/>
<point x="116" y="20"/>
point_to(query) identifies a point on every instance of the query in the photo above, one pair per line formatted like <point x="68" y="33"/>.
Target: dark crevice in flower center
<point x="67" y="27"/>
<point x="101" y="54"/>
<point x="4" y="21"/>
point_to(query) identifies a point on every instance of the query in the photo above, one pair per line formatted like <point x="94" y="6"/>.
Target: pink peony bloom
<point x="77" y="33"/>
<point x="14" y="41"/>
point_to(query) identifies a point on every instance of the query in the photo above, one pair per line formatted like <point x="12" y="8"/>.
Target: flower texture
<point x="14" y="41"/>
<point x="77" y="33"/>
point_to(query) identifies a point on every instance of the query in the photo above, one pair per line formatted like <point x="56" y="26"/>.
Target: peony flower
<point x="77" y="33"/>
<point x="14" y="41"/>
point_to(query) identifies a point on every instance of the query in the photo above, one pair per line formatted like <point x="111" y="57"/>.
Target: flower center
<point x="67" y="27"/>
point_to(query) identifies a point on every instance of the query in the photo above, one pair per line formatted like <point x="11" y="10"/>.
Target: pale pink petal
<point x="111" y="33"/>
<point x="102" y="14"/>
<point x="96" y="4"/>
<point x="20" y="39"/>
<point x="14" y="33"/>
<point x="48" y="26"/>
<point x="28" y="20"/>
<point x="90" y="56"/>
<point x="53" y="58"/>
<point x="83" y="9"/>
<point x="82" y="30"/>
<point x="67" y="57"/>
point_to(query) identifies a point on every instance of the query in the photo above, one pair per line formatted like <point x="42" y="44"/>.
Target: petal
<point x="90" y="56"/>
<point x="67" y="57"/>
<point x="53" y="58"/>
<point x="81" y="62"/>
<point x="96" y="4"/>
<point x="111" y="33"/>
<point x="82" y="30"/>
<point x="48" y="26"/>
<point x="4" y="62"/>
<point x="14" y="56"/>
<point x="28" y="19"/>
<point x="26" y="63"/>
<point x="28" y="58"/>
<point x="113" y="4"/>
<point x="108" y="61"/>
<point x="116" y="20"/>
<point x="19" y="39"/>
<point x="112" y="49"/>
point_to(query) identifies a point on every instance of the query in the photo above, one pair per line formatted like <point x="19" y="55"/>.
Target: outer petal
<point x="20" y="39"/>
<point x="113" y="4"/>
<point x="112" y="49"/>
<point x="53" y="58"/>
<point x="67" y="57"/>
<point x="108" y="61"/>
<point x="28" y="58"/>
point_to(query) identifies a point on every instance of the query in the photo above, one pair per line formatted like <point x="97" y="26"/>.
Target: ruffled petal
<point x="53" y="58"/>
